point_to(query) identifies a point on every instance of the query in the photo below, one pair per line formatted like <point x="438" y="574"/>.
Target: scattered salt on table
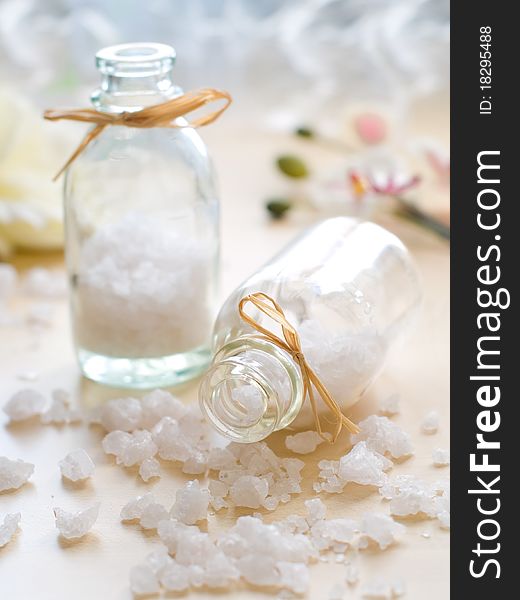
<point x="74" y="525"/>
<point x="77" y="465"/>
<point x="9" y="527"/>
<point x="25" y="404"/>
<point x="384" y="436"/>
<point x="14" y="473"/>
<point x="304" y="442"/>
<point x="441" y="457"/>
<point x="191" y="503"/>
<point x="390" y="405"/>
<point x="430" y="423"/>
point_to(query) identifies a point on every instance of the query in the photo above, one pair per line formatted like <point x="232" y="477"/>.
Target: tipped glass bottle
<point x="141" y="224"/>
<point x="349" y="288"/>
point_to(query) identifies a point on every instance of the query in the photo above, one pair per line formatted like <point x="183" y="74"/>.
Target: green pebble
<point x="304" y="132"/>
<point x="278" y="207"/>
<point x="292" y="166"/>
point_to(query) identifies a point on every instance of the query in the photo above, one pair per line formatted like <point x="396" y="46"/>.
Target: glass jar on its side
<point x="349" y="288"/>
<point x="142" y="235"/>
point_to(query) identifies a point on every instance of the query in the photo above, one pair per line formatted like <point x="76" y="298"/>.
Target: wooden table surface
<point x="38" y="566"/>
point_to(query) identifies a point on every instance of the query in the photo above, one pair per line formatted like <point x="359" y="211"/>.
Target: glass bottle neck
<point x="251" y="389"/>
<point x="134" y="76"/>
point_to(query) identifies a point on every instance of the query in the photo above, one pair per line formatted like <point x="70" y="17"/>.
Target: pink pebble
<point x="370" y="127"/>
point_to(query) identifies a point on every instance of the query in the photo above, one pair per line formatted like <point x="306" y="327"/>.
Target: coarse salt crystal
<point x="129" y="448"/>
<point x="361" y="465"/>
<point x="149" y="468"/>
<point x="152" y="514"/>
<point x="293" y="576"/>
<point x="430" y="423"/>
<point x="123" y="414"/>
<point x="304" y="442"/>
<point x="251" y="402"/>
<point x="158" y="404"/>
<point x="77" y="465"/>
<point x="191" y="503"/>
<point x="9" y="527"/>
<point x="316" y="510"/>
<point x="441" y="457"/>
<point x="390" y="405"/>
<point x="14" y="473"/>
<point x="60" y="410"/>
<point x="25" y="404"/>
<point x="134" y="508"/>
<point x="143" y="581"/>
<point x="380" y="528"/>
<point x="249" y="491"/>
<point x="384" y="436"/>
<point x="175" y="577"/>
<point x="74" y="525"/>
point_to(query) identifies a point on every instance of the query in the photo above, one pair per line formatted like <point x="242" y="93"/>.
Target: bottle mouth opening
<point x="136" y="59"/>
<point x="238" y="401"/>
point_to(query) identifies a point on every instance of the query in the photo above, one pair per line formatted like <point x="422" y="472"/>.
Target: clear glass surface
<point x="142" y="236"/>
<point x="349" y="287"/>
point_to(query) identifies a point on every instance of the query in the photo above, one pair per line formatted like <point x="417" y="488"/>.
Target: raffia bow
<point x="157" y="115"/>
<point x="291" y="343"/>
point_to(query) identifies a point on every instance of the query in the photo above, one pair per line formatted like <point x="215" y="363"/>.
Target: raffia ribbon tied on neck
<point x="291" y="343"/>
<point x="157" y="115"/>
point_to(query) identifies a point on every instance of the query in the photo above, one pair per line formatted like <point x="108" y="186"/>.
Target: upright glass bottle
<point x="141" y="217"/>
<point x="349" y="288"/>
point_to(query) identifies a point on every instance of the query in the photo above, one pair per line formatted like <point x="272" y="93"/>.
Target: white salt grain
<point x="149" y="468"/>
<point x="293" y="576"/>
<point x="9" y="527"/>
<point x="191" y="503"/>
<point x="441" y="457"/>
<point x="304" y="442"/>
<point x="130" y="448"/>
<point x="60" y="410"/>
<point x="380" y="528"/>
<point x="316" y="510"/>
<point x="384" y="436"/>
<point x="25" y="404"/>
<point x="390" y="405"/>
<point x="122" y="414"/>
<point x="175" y="577"/>
<point x="159" y="404"/>
<point x="249" y="491"/>
<point x="74" y="525"/>
<point x="251" y="402"/>
<point x="14" y="473"/>
<point x="143" y="581"/>
<point x="152" y="514"/>
<point x="364" y="466"/>
<point x="430" y="423"/>
<point x="133" y="509"/>
<point x="77" y="465"/>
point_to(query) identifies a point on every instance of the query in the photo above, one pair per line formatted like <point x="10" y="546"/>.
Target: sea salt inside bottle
<point x="349" y="288"/>
<point x="141" y="217"/>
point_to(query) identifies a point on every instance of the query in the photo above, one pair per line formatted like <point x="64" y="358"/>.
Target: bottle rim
<point x="136" y="59"/>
